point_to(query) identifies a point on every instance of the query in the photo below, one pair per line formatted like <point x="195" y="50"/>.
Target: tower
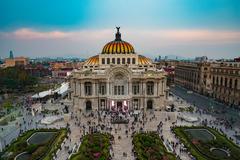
<point x="11" y="55"/>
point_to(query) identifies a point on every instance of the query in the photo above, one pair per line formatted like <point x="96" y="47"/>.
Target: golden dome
<point x="118" y="46"/>
<point x="144" y="60"/>
<point x="94" y="60"/>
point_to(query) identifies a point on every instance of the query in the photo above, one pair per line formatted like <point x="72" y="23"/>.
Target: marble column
<point x="93" y="89"/>
<point x="130" y="87"/>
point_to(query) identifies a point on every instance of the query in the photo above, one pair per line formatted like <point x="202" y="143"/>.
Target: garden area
<point x="94" y="146"/>
<point x="206" y="143"/>
<point x="9" y="112"/>
<point x="15" y="79"/>
<point x="149" y="146"/>
<point x="35" y="144"/>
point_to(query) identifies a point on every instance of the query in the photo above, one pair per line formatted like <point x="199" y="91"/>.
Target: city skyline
<point x="79" y="29"/>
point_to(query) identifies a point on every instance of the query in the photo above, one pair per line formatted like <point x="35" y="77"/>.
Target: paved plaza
<point x="210" y="106"/>
<point x="82" y="123"/>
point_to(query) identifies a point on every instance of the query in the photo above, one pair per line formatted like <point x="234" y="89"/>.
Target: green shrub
<point x="43" y="151"/>
<point x="4" y="122"/>
<point x="94" y="143"/>
<point x="149" y="146"/>
<point x="31" y="148"/>
<point x="38" y="152"/>
<point x="202" y="151"/>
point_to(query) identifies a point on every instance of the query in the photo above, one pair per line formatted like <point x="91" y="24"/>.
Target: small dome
<point x="144" y="60"/>
<point x="118" y="46"/>
<point x="92" y="61"/>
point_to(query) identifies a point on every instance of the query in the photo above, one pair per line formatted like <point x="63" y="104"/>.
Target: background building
<point x="226" y="82"/>
<point x="15" y="61"/>
<point x="38" y="70"/>
<point x="219" y="80"/>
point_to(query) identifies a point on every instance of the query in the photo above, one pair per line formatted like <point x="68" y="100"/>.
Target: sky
<point x="80" y="28"/>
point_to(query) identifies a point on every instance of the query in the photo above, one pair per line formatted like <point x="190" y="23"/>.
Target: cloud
<point x="87" y="42"/>
<point x="158" y="34"/>
<point x="30" y="34"/>
<point x="183" y="36"/>
<point x="202" y="35"/>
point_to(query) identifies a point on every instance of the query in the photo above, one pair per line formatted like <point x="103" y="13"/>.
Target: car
<point x="189" y="92"/>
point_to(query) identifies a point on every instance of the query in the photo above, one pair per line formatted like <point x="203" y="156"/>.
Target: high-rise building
<point x="11" y="55"/>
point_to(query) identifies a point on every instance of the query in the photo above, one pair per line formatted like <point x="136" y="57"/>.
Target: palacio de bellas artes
<point x="120" y="80"/>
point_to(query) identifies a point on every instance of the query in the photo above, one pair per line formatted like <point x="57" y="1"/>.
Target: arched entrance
<point x="149" y="104"/>
<point x="88" y="105"/>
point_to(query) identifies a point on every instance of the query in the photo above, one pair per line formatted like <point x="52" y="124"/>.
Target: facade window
<point x="149" y="104"/>
<point x="123" y="61"/>
<point x="102" y="102"/>
<point x="135" y="104"/>
<point x="118" y="90"/>
<point x="135" y="88"/>
<point x="225" y="82"/>
<point x="128" y="61"/>
<point x="221" y="81"/>
<point x="118" y="61"/>
<point x="122" y="90"/>
<point x="88" y="88"/>
<point x="133" y="61"/>
<point x="150" y="88"/>
<point x="115" y="90"/>
<point x="108" y="60"/>
<point x="230" y="83"/>
<point x="113" y="60"/>
<point x="88" y="105"/>
<point x="213" y="80"/>
<point x="236" y="84"/>
<point x="103" y="60"/>
<point x="102" y="88"/>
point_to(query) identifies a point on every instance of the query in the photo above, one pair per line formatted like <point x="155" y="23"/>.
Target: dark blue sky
<point x="42" y="17"/>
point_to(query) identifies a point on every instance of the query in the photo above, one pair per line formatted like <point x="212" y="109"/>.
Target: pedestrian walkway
<point x="122" y="145"/>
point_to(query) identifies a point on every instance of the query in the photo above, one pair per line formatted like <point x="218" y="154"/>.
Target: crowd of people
<point x="124" y="125"/>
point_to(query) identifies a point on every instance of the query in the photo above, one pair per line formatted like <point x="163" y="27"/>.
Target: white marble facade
<point x="118" y="81"/>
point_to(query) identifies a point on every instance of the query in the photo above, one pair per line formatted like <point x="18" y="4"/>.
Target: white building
<point x="118" y="79"/>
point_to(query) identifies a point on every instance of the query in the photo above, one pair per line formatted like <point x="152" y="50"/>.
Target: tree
<point x="7" y="105"/>
<point x="15" y="78"/>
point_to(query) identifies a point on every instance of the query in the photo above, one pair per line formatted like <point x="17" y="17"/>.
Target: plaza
<point x="112" y="107"/>
<point x="89" y="122"/>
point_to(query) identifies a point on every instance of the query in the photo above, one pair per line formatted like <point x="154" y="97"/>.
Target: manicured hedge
<point x="94" y="146"/>
<point x="201" y="150"/>
<point x="148" y="146"/>
<point x="41" y="151"/>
